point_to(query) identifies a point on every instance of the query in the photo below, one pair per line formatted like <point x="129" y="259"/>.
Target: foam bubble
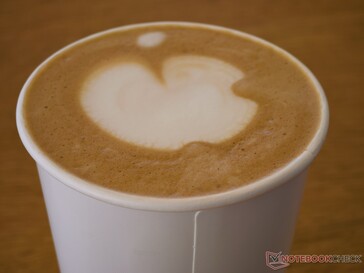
<point x="194" y="103"/>
<point x="151" y="39"/>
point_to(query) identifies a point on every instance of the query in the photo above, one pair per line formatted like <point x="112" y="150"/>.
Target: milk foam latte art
<point x="192" y="102"/>
<point x="172" y="110"/>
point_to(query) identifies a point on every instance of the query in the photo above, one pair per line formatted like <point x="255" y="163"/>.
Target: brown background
<point x="327" y="36"/>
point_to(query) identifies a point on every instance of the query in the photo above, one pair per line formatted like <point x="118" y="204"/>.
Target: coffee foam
<point x="285" y="120"/>
<point x="151" y="39"/>
<point x="193" y="102"/>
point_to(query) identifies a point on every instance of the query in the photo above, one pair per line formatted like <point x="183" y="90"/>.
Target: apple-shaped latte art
<point x="193" y="102"/>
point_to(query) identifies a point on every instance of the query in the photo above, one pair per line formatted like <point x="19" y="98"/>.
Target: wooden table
<point x="326" y="35"/>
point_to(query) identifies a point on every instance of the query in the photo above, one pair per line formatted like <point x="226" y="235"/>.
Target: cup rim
<point x="175" y="204"/>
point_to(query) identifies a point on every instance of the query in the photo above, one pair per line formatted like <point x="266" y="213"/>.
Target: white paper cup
<point x="97" y="230"/>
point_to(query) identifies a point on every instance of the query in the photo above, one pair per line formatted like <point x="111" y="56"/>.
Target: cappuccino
<point x="171" y="110"/>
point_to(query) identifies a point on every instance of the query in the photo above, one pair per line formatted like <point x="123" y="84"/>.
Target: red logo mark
<point x="274" y="260"/>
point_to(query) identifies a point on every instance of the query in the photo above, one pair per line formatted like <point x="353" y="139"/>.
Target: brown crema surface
<point x="287" y="117"/>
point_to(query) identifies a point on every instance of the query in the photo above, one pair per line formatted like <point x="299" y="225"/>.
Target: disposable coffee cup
<point x="100" y="230"/>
